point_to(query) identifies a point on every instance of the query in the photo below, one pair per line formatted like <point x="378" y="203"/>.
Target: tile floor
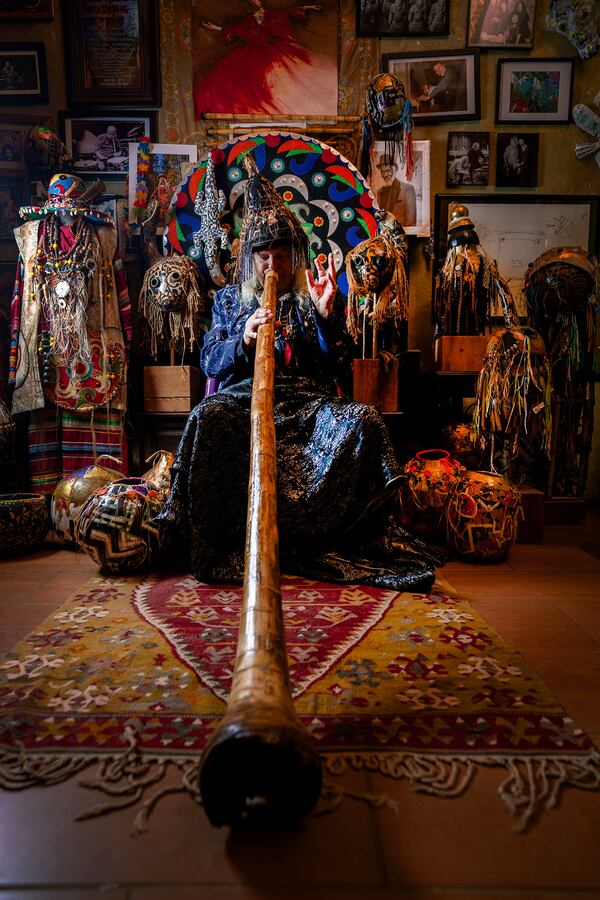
<point x="545" y="600"/>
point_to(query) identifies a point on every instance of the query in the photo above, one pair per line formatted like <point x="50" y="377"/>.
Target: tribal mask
<point x="579" y="21"/>
<point x="172" y="289"/>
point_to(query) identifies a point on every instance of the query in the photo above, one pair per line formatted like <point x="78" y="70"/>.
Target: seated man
<point x="336" y="469"/>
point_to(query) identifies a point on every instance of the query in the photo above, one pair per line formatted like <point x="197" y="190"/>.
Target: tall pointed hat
<point x="267" y="222"/>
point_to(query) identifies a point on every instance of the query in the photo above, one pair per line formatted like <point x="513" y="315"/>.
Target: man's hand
<point x="323" y="290"/>
<point x="259" y="317"/>
<point x="211" y="26"/>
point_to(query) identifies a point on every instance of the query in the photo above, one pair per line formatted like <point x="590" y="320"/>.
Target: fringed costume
<point x="71" y="326"/>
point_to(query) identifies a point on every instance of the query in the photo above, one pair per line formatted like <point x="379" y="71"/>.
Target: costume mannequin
<point x="71" y="324"/>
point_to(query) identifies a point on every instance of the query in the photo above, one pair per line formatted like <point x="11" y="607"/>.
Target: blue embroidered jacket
<point x="305" y="343"/>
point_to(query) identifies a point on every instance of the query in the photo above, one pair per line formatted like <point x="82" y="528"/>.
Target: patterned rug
<point x="134" y="674"/>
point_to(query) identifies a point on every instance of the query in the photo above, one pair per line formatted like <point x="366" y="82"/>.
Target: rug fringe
<point x="533" y="783"/>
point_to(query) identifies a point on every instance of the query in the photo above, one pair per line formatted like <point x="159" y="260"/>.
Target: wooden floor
<point x="545" y="600"/>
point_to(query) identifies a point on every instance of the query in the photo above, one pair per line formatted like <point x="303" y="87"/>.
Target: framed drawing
<point x="406" y="198"/>
<point x="441" y="85"/>
<point x="23" y="76"/>
<point x="99" y="144"/>
<point x="468" y="158"/>
<point x="517" y="228"/>
<point x="403" y="18"/>
<point x="26" y="10"/>
<point x="517" y="159"/>
<point x="498" y="25"/>
<point x="534" y="91"/>
<point x="167" y="167"/>
<point x="112" y="53"/>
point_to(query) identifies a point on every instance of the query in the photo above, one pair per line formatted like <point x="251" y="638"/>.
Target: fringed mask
<point x="377" y="277"/>
<point x="171" y="301"/>
<point x="389" y="110"/>
<point x="579" y="22"/>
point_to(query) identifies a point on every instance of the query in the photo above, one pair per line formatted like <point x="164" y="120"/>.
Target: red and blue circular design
<point x="327" y="193"/>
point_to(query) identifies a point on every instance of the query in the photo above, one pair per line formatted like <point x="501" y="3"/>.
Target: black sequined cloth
<point x="335" y="490"/>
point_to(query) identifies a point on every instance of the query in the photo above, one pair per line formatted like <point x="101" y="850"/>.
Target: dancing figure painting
<point x="265" y="57"/>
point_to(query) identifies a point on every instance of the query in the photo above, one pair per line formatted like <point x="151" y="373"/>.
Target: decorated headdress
<point x="171" y="296"/>
<point x="468" y="286"/>
<point x="390" y="111"/>
<point x="68" y="194"/>
<point x="267" y="222"/>
<point x="45" y="154"/>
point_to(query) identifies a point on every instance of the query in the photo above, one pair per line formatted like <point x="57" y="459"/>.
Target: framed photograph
<point x="13" y="129"/>
<point x="501" y="24"/>
<point x="468" y="158"/>
<point x="534" y="91"/>
<point x="99" y="144"/>
<point x="23" y="76"/>
<point x="20" y="10"/>
<point x="168" y="166"/>
<point x="406" y="198"/>
<point x="112" y="53"/>
<point x="517" y="160"/>
<point x="402" y="18"/>
<point x="517" y="228"/>
<point x="441" y="85"/>
<point x="11" y="198"/>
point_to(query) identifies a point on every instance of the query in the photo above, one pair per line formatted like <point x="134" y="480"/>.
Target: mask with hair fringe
<point x="171" y="301"/>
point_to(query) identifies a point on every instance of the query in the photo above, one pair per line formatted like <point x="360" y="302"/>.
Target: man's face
<point x="111" y="130"/>
<point x="387" y="173"/>
<point x="439" y="68"/>
<point x="275" y="259"/>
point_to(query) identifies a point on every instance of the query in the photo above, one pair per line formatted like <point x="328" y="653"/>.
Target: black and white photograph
<point x="441" y="86"/>
<point x="99" y="145"/>
<point x="404" y="195"/>
<point x="402" y="18"/>
<point x="517" y="160"/>
<point x="11" y="196"/>
<point x="499" y="24"/>
<point x="468" y="158"/>
<point x="23" y="74"/>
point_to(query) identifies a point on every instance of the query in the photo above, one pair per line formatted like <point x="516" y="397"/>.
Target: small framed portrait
<point x="13" y="130"/>
<point x="406" y="196"/>
<point x="402" y="18"/>
<point x="468" y="158"/>
<point x="23" y="76"/>
<point x="500" y="24"/>
<point x="532" y="91"/>
<point x="11" y="198"/>
<point x="168" y="165"/>
<point x="441" y="86"/>
<point x="99" y="144"/>
<point x="21" y="10"/>
<point x="517" y="160"/>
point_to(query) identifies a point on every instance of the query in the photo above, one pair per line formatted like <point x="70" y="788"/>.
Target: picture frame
<point x="103" y="71"/>
<point x="515" y="229"/>
<point x="492" y="25"/>
<point x="23" y="76"/>
<point x="410" y="19"/>
<point x="168" y="167"/>
<point x="99" y="141"/>
<point x="407" y="198"/>
<point x="442" y="85"/>
<point x="26" y="10"/>
<point x="468" y="159"/>
<point x="13" y="130"/>
<point x="11" y="198"/>
<point x="517" y="159"/>
<point x="534" y="91"/>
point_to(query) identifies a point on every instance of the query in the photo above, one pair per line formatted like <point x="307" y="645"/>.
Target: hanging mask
<point x="579" y="22"/>
<point x="171" y="301"/>
<point x="386" y="100"/>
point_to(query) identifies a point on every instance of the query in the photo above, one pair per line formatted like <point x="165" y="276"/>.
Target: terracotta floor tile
<point x="41" y="844"/>
<point x="19" y="618"/>
<point x="536" y="624"/>
<point x="539" y="558"/>
<point x="574" y="679"/>
<point x="526" y="585"/>
<point x="472" y="842"/>
<point x="585" y="614"/>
